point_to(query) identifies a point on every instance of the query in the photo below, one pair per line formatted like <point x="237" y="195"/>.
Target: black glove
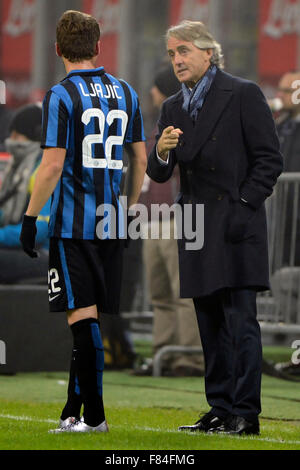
<point x="239" y="221"/>
<point x="27" y="236"/>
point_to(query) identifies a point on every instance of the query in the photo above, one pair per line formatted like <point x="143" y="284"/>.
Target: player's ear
<point x="97" y="50"/>
<point x="57" y="50"/>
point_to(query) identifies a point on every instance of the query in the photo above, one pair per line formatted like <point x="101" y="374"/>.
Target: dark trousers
<point x="231" y="340"/>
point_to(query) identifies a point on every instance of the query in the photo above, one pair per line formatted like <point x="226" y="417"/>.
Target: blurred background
<point x="260" y="41"/>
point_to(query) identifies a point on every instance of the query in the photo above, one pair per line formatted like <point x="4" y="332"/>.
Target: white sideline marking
<point x="28" y="418"/>
<point x="141" y="428"/>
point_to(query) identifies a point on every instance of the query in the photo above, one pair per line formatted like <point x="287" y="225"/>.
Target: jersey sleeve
<point x="55" y="122"/>
<point x="136" y="127"/>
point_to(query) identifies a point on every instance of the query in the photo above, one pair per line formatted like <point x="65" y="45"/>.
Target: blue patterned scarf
<point x="193" y="99"/>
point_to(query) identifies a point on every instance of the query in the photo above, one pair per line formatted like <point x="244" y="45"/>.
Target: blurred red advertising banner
<point x="107" y="13"/>
<point x="279" y="36"/>
<point x="17" y="22"/>
<point x="17" y="27"/>
<point x="188" y="10"/>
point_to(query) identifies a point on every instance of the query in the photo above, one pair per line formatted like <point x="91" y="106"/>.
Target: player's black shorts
<point x="84" y="273"/>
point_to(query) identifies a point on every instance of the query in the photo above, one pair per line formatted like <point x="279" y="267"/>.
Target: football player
<point x="88" y="119"/>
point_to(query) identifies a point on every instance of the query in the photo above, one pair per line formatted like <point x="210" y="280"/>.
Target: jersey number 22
<point x="89" y="140"/>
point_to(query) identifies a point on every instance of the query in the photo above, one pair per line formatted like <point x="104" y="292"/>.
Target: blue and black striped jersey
<point x="92" y="115"/>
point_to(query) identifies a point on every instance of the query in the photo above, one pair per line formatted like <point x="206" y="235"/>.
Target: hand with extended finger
<point x="168" y="141"/>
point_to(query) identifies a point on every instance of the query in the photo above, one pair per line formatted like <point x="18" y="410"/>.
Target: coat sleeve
<point x="156" y="170"/>
<point x="266" y="162"/>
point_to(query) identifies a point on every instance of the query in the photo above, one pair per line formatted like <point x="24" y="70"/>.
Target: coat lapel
<point x="195" y="135"/>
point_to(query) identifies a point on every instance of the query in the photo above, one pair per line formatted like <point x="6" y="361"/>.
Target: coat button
<point x="214" y="138"/>
<point x="220" y="197"/>
<point x="189" y="172"/>
<point x="212" y="168"/>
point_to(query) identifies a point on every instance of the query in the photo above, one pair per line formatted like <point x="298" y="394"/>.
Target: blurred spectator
<point x="288" y="122"/>
<point x="23" y="144"/>
<point x="285" y="281"/>
<point x="174" y="320"/>
<point x="5" y="119"/>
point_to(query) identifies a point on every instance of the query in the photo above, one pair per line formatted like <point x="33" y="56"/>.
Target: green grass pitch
<point x="143" y="414"/>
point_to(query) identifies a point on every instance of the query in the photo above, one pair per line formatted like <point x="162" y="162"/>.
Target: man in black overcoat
<point x="220" y="131"/>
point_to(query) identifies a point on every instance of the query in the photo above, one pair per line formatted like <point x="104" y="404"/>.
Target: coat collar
<point x="222" y="81"/>
<point x="195" y="135"/>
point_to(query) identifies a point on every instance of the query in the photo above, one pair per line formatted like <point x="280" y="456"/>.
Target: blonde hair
<point x="197" y="33"/>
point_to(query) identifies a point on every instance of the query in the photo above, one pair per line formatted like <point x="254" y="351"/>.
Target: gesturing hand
<point x="168" y="141"/>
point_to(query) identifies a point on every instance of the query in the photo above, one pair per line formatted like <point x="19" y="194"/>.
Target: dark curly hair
<point x="77" y="35"/>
